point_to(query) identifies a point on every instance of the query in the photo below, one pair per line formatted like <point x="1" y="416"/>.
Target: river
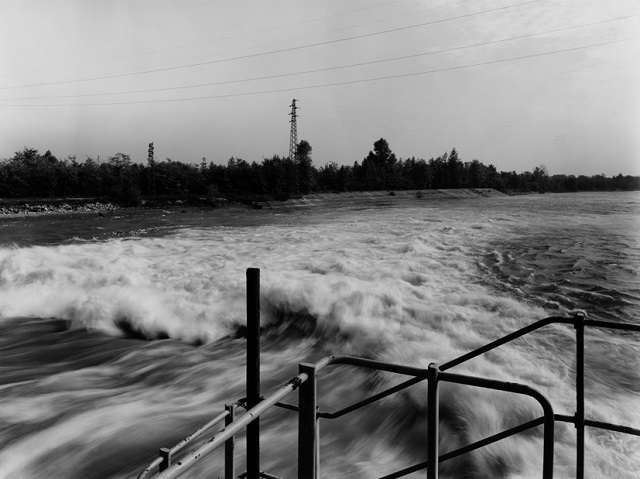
<point x="121" y="335"/>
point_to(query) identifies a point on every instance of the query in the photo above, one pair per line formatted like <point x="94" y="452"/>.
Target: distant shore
<point x="41" y="206"/>
<point x="15" y="207"/>
<point x="417" y="194"/>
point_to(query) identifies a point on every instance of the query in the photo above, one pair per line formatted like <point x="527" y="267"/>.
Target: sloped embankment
<point x="460" y="193"/>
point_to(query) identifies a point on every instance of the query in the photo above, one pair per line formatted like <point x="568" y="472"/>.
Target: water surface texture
<point x="121" y="335"/>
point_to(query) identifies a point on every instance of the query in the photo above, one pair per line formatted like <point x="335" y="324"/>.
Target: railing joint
<point x="165" y="454"/>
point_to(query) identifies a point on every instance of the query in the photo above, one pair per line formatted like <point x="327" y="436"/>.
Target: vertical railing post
<point x="579" y="417"/>
<point x="433" y="419"/>
<point x="229" y="445"/>
<point x="308" y="455"/>
<point x="253" y="370"/>
<point x="165" y="454"/>
<point x="548" y="444"/>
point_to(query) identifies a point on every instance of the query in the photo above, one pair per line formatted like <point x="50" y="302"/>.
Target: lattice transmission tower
<point x="152" y="164"/>
<point x="293" y="137"/>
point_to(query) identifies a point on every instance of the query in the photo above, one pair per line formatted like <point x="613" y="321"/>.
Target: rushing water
<point x="120" y="335"/>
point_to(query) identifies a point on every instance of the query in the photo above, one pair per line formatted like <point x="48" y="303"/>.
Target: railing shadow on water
<point x="309" y="414"/>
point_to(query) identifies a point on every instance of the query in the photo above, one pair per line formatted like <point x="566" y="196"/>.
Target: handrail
<point x="433" y="375"/>
<point x="549" y="423"/>
<point x="420" y="374"/>
<point x="309" y="414"/>
<point x="468" y="448"/>
<point x="506" y="339"/>
<point x="166" y="453"/>
<point x="578" y="321"/>
<point x="193" y="457"/>
<point x="182" y="444"/>
<point x="532" y="327"/>
<point x="155" y="463"/>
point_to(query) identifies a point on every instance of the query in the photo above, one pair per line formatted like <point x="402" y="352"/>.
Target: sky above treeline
<point x="513" y="83"/>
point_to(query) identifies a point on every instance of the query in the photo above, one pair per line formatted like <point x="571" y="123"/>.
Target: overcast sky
<point x="514" y="83"/>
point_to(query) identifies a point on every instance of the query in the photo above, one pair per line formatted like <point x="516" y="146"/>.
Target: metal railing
<point x="166" y="454"/>
<point x="309" y="414"/>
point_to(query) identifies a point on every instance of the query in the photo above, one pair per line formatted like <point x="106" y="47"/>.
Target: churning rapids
<point x="120" y="335"/>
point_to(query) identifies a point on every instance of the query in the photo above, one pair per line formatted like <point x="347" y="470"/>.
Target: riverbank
<point x="10" y="207"/>
<point x="460" y="193"/>
<point x="45" y="207"/>
<point x="364" y="196"/>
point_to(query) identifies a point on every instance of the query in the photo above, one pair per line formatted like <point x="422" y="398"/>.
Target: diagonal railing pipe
<point x="166" y="454"/>
<point x="192" y="458"/>
<point x="506" y="339"/>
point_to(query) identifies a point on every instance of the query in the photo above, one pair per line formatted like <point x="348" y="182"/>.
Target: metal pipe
<point x="579" y="419"/>
<point x="610" y="325"/>
<point x="505" y="339"/>
<point x="229" y="444"/>
<point x="491" y="439"/>
<point x="179" y="446"/>
<point x="253" y="370"/>
<point x="612" y="427"/>
<point x="372" y="364"/>
<point x="156" y="462"/>
<point x="188" y="461"/>
<point x="307" y="425"/>
<point x="468" y="448"/>
<point x="433" y="419"/>
<point x="549" y="417"/>
<point x="370" y="399"/>
<point x="198" y="432"/>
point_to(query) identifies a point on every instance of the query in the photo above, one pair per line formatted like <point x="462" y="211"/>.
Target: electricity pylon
<point x="293" y="137"/>
<point x="152" y="165"/>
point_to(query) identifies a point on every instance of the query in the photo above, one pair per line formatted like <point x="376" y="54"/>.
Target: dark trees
<point x="304" y="165"/>
<point x="31" y="174"/>
<point x="379" y="167"/>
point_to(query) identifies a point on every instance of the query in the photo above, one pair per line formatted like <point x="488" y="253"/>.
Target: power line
<point x="283" y="50"/>
<point x="319" y="70"/>
<point x="205" y="42"/>
<point x="349" y="82"/>
<point x="386" y="19"/>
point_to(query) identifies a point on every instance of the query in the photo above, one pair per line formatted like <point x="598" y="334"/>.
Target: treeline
<point x="31" y="174"/>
